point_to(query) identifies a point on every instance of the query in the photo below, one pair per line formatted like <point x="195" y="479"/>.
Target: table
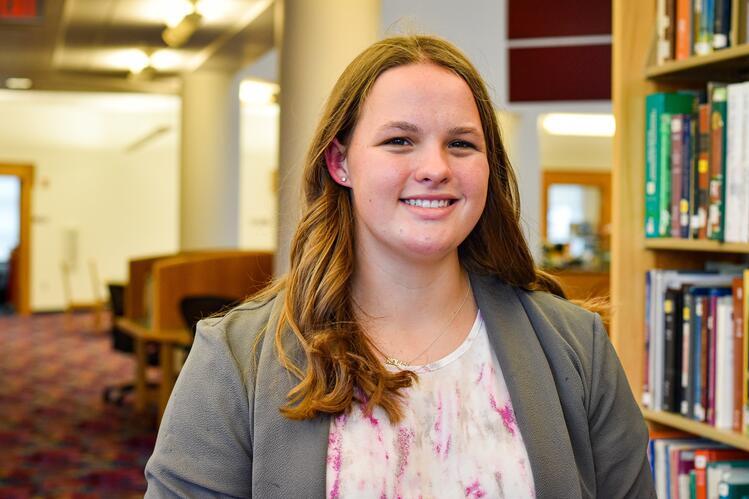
<point x="167" y="339"/>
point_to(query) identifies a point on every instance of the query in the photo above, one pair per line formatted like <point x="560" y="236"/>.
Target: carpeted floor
<point x="57" y="437"/>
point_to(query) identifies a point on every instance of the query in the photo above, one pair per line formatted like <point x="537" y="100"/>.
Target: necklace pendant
<point x="391" y="361"/>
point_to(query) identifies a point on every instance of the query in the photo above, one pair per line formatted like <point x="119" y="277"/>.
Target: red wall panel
<point x="544" y="18"/>
<point x="560" y="73"/>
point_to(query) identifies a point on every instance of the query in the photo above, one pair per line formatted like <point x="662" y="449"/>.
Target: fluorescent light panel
<point x="578" y="124"/>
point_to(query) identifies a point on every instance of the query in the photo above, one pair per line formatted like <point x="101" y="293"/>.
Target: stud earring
<point x="344" y="178"/>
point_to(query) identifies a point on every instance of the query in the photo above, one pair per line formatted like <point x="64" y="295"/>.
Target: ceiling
<point x="86" y="45"/>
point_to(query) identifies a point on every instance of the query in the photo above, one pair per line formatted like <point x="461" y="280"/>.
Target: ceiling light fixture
<point x="18" y="83"/>
<point x="176" y="36"/>
<point x="577" y="124"/>
<point x="257" y="92"/>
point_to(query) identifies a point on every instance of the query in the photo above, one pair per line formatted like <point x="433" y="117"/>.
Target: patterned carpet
<point x="57" y="437"/>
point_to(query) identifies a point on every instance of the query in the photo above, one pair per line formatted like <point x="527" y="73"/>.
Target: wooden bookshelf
<point x="696" y="428"/>
<point x="695" y="245"/>
<point x="631" y="253"/>
<point x="729" y="63"/>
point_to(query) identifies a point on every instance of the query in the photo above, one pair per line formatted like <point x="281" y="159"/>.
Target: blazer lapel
<point x="289" y="457"/>
<point x="531" y="386"/>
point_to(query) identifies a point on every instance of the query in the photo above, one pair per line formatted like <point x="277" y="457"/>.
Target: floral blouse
<point x="458" y="437"/>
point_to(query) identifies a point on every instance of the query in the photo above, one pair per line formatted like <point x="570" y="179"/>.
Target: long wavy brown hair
<point x="341" y="362"/>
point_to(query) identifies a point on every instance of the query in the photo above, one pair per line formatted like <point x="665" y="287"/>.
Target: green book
<point x="734" y="484"/>
<point x="657" y="159"/>
<point x="692" y="484"/>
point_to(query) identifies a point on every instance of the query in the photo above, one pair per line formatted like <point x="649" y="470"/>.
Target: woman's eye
<point x="461" y="144"/>
<point x="398" y="141"/>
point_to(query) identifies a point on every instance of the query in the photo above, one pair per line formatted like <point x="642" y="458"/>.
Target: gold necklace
<point x="399" y="364"/>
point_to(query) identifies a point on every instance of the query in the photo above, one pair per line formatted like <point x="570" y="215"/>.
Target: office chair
<point x="197" y="307"/>
<point x="123" y="342"/>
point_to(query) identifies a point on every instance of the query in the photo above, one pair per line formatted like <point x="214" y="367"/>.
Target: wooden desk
<point x="167" y="339"/>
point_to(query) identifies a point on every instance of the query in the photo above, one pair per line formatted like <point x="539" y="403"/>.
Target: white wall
<point x="118" y="204"/>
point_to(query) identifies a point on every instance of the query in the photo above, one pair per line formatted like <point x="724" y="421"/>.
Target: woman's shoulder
<point x="240" y="327"/>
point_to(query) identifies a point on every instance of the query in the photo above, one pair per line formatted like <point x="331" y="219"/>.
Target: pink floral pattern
<point x="459" y="436"/>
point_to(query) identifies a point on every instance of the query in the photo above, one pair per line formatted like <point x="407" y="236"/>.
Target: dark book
<point x="672" y="363"/>
<point x="677" y="171"/>
<point x="722" y="24"/>
<point x="687" y="156"/>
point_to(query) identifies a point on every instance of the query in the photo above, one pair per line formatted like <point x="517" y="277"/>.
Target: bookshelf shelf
<point x="731" y="63"/>
<point x="695" y="245"/>
<point x="696" y="428"/>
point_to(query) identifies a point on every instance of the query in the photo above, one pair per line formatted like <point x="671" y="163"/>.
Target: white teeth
<point x="426" y="203"/>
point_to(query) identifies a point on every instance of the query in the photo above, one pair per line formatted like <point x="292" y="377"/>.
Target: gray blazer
<point x="223" y="436"/>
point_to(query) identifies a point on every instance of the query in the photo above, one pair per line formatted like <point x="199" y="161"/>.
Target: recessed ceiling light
<point x="18" y="83"/>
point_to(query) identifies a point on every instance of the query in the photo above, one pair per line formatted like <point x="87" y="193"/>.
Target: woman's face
<point x="416" y="165"/>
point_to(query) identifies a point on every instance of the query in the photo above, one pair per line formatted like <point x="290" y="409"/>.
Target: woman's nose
<point x="434" y="166"/>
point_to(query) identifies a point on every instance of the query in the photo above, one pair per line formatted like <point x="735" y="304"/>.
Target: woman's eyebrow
<point x="464" y="130"/>
<point x="401" y="125"/>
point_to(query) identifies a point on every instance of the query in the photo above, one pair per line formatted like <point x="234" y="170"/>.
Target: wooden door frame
<point x="600" y="179"/>
<point x="25" y="174"/>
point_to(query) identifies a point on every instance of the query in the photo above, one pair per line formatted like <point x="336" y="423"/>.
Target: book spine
<point x="647" y="399"/>
<point x="745" y="356"/>
<point x="683" y="41"/>
<point x="652" y="134"/>
<point x="665" y="30"/>
<point x="717" y="162"/>
<point x="734" y="169"/>
<point x="686" y="176"/>
<point x="704" y="43"/>
<point x="677" y="172"/>
<point x="737" y="293"/>
<point x="722" y="24"/>
<point x="669" y="366"/>
<point x="664" y="176"/>
<point x="703" y="171"/>
<point x="687" y="352"/>
<point x="724" y="363"/>
<point x="712" y="315"/>
<point x="700" y="410"/>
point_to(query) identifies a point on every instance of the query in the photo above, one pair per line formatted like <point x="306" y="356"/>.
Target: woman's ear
<point x="335" y="158"/>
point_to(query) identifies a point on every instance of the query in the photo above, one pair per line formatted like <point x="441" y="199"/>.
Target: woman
<point x="413" y="349"/>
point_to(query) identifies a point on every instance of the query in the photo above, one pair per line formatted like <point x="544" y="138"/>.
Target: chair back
<point x="196" y="307"/>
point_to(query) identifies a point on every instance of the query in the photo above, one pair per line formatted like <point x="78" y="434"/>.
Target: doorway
<point x="15" y="237"/>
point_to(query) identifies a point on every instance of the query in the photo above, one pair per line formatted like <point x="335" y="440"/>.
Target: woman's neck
<point x="402" y="308"/>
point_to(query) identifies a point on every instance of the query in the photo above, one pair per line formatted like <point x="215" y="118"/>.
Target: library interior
<point x="151" y="175"/>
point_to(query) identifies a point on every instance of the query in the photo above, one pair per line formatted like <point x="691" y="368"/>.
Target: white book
<point x="734" y="208"/>
<point x="724" y="364"/>
<point x="745" y="162"/>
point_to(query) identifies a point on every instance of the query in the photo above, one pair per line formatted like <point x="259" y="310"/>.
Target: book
<point x="724" y="393"/>
<point x="704" y="42"/>
<point x="657" y="159"/>
<point x="715" y="472"/>
<point x="677" y="171"/>
<point x="683" y="37"/>
<point x="703" y="457"/>
<point x="737" y="286"/>
<point x="703" y="172"/>
<point x="734" y="484"/>
<point x="687" y="175"/>
<point x="735" y="167"/>
<point x="672" y="328"/>
<point x="722" y="24"/>
<point x="715" y="218"/>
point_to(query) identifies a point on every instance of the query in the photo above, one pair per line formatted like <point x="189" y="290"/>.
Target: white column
<point x="319" y="38"/>
<point x="209" y="156"/>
